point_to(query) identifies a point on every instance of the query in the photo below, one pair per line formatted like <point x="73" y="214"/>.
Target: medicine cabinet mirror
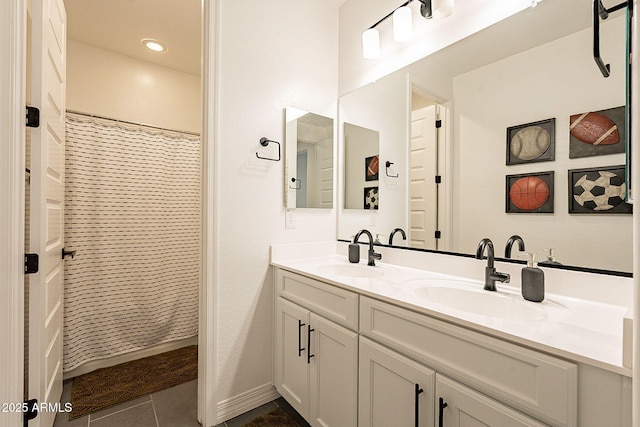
<point x="533" y="67"/>
<point x="309" y="160"/>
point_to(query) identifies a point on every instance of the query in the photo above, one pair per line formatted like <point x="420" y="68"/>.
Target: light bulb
<point x="402" y="24"/>
<point x="371" y="43"/>
<point x="154" y="45"/>
<point x="443" y="8"/>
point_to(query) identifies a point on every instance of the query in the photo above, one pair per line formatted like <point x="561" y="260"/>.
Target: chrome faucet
<point x="372" y="254"/>
<point x="490" y="273"/>
<point x="393" y="233"/>
<point x="513" y="239"/>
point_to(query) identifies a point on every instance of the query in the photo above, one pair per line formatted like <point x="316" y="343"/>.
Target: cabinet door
<point x="334" y="374"/>
<point x="394" y="390"/>
<point x="292" y="367"/>
<point x="460" y="406"/>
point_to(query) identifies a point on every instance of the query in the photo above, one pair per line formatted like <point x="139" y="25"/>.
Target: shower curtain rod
<point x="97" y="116"/>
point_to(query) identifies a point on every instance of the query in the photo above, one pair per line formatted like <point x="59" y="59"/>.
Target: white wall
<point x="270" y="55"/>
<point x="112" y="85"/>
<point x="494" y="97"/>
<point x="430" y="36"/>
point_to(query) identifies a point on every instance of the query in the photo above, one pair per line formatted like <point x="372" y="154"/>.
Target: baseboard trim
<point x="128" y="357"/>
<point x="246" y="401"/>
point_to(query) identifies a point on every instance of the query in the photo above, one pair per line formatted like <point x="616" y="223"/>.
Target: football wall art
<point x="597" y="133"/>
<point x="371" y="199"/>
<point x="531" y="142"/>
<point x="598" y="191"/>
<point x="529" y="193"/>
<point x="371" y="166"/>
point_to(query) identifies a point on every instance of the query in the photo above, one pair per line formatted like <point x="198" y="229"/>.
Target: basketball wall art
<point x="371" y="165"/>
<point x="530" y="193"/>
<point x="598" y="191"/>
<point x="531" y="142"/>
<point x="371" y="198"/>
<point x="597" y="133"/>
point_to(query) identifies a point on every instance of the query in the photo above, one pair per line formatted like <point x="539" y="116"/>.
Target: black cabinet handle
<point x="441" y="405"/>
<point x="300" y="348"/>
<point x="417" y="403"/>
<point x="309" y="355"/>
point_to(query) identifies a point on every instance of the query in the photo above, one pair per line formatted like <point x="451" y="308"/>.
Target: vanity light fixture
<point x="154" y="45"/>
<point x="403" y="23"/>
<point x="371" y="43"/>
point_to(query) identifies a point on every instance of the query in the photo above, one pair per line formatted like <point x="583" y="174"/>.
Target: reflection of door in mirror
<point x="360" y="145"/>
<point x="423" y="190"/>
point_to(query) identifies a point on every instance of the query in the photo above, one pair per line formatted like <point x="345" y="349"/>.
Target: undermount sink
<point x="354" y="270"/>
<point x="484" y="303"/>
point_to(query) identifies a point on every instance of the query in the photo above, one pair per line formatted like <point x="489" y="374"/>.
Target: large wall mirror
<point x="458" y="116"/>
<point x="309" y="160"/>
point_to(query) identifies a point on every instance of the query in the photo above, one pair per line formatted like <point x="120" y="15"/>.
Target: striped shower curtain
<point x="132" y="213"/>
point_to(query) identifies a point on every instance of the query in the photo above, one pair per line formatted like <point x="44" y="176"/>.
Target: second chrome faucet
<point x="491" y="276"/>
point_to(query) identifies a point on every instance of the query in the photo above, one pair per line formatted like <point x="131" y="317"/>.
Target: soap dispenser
<point x="532" y="280"/>
<point x="550" y="258"/>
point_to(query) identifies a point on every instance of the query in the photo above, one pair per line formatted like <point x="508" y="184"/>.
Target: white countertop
<point x="577" y="329"/>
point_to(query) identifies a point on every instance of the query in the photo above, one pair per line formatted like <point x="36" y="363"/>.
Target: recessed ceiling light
<point x="154" y="45"/>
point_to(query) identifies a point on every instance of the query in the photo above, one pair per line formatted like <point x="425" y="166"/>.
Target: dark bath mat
<point x="276" y="418"/>
<point x="108" y="387"/>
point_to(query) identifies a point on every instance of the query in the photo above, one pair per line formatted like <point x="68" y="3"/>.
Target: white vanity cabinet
<point x="534" y="383"/>
<point x="316" y="358"/>
<point x="394" y="390"/>
<point x="345" y="358"/>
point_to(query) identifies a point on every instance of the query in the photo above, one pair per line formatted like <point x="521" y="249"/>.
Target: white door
<point x="467" y="408"/>
<point x="48" y="71"/>
<point x="391" y="386"/>
<point x="325" y="158"/>
<point x="292" y="365"/>
<point x="334" y="374"/>
<point x="423" y="197"/>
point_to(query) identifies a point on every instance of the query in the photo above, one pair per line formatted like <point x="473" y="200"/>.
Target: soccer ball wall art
<point x="598" y="191"/>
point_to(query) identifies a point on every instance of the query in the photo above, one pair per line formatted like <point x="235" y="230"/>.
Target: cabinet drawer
<point x="329" y="301"/>
<point x="535" y="383"/>
<point x="465" y="407"/>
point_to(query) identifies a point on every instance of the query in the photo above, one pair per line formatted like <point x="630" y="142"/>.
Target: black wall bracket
<point x="601" y="12"/>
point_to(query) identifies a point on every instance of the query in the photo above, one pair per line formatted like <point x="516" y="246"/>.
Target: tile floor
<point x="173" y="407"/>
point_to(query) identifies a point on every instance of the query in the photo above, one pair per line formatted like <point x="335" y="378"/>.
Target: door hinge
<point x="33" y="117"/>
<point x="31" y="263"/>
<point x="438" y="124"/>
<point x="438" y="234"/>
<point x="30" y="410"/>
<point x="438" y="179"/>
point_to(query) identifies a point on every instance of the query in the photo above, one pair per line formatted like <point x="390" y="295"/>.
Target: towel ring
<point x="388" y="165"/>
<point x="264" y="142"/>
<point x="298" y="186"/>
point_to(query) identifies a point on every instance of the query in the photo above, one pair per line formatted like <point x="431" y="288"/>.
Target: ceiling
<point x="120" y="25"/>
